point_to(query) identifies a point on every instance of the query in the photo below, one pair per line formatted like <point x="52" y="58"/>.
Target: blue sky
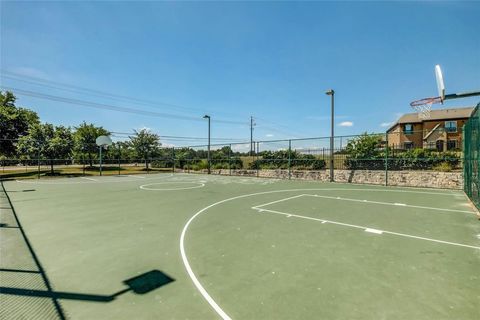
<point x="232" y="60"/>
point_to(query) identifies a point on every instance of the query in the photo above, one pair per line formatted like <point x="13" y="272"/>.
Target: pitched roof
<point x="438" y="114"/>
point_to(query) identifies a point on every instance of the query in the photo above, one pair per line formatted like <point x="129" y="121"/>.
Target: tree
<point x="84" y="137"/>
<point x="364" y="146"/>
<point x="145" y="144"/>
<point x="364" y="152"/>
<point x="14" y="122"/>
<point x="46" y="141"/>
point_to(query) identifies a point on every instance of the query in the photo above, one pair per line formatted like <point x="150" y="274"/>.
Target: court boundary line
<point x="199" y="185"/>
<point x="91" y="179"/>
<point x="184" y="257"/>
<point x="364" y="228"/>
<point x="57" y="182"/>
<point x="394" y="204"/>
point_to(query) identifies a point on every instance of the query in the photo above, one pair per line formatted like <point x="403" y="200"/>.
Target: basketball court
<point x="180" y="246"/>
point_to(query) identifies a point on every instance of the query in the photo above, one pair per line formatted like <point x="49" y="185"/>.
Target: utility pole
<point x="331" y="93"/>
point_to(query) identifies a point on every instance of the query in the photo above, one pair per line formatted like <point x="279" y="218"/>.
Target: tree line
<point x="24" y="138"/>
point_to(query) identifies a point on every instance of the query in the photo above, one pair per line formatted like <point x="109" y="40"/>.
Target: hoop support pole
<point x="462" y="95"/>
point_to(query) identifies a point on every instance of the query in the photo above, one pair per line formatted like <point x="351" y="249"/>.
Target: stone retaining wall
<point x="427" y="179"/>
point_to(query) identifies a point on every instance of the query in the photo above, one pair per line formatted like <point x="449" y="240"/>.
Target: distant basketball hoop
<point x="103" y="142"/>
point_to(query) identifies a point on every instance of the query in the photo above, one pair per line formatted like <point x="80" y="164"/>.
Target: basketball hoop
<point x="424" y="106"/>
<point x="103" y="142"/>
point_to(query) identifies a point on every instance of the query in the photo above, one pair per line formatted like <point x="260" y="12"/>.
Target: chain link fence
<point x="380" y="155"/>
<point x="472" y="157"/>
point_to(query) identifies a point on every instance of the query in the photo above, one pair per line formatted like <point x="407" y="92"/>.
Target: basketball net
<point x="424" y="106"/>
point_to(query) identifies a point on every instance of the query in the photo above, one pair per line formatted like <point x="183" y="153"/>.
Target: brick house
<point x="442" y="131"/>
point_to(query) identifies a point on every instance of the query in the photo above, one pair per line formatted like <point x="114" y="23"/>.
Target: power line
<point x="166" y="137"/>
<point x="111" y="107"/>
<point x="77" y="89"/>
<point x="92" y="92"/>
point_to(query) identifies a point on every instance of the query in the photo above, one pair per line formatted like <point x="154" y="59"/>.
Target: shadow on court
<point x="140" y="285"/>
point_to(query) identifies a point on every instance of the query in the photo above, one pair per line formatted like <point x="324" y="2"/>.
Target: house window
<point x="452" y="144"/>
<point x="451" y="126"/>
<point x="408" y="145"/>
<point x="439" y="145"/>
<point x="408" y="128"/>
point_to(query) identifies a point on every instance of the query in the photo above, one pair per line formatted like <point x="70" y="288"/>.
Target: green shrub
<point x="443" y="167"/>
<point x="279" y="160"/>
<point x="415" y="159"/>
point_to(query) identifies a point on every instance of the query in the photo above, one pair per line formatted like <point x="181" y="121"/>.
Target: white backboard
<point x="440" y="83"/>
<point x="103" y="141"/>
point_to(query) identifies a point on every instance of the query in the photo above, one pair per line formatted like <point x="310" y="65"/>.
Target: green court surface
<point x="179" y="246"/>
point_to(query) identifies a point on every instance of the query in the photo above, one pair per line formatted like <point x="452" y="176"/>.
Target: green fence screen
<point x="472" y="157"/>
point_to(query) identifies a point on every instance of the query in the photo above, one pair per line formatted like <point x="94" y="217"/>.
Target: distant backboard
<point x="440" y="83"/>
<point x="103" y="141"/>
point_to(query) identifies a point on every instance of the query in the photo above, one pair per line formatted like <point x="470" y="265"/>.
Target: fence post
<point x="386" y="159"/>
<point x="289" y="158"/>
<point x="101" y="147"/>
<point x="256" y="158"/>
<point x="38" y="162"/>
<point x="119" y="155"/>
<point x="230" y="160"/>
<point x="173" y="159"/>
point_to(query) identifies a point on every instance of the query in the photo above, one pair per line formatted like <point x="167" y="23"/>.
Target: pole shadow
<point x="141" y="284"/>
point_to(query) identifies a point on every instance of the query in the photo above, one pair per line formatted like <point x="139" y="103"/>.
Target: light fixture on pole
<point x="331" y="93"/>
<point x="208" y="152"/>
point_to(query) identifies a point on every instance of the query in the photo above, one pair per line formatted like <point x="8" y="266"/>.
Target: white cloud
<point x="144" y="128"/>
<point x="385" y="124"/>
<point x="346" y="124"/>
<point x="241" y="147"/>
<point x="269" y="135"/>
<point x="168" y="145"/>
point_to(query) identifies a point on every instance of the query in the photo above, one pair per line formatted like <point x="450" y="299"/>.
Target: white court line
<point x="146" y="186"/>
<point x="367" y="228"/>
<point x="289" y="198"/>
<point x="91" y="179"/>
<point x="138" y="177"/>
<point x="63" y="181"/>
<point x="183" y="254"/>
<point x="386" y="203"/>
<point x="374" y="231"/>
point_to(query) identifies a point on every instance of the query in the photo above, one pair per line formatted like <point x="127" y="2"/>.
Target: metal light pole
<point x="252" y="146"/>
<point x="208" y="153"/>
<point x="331" y="93"/>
